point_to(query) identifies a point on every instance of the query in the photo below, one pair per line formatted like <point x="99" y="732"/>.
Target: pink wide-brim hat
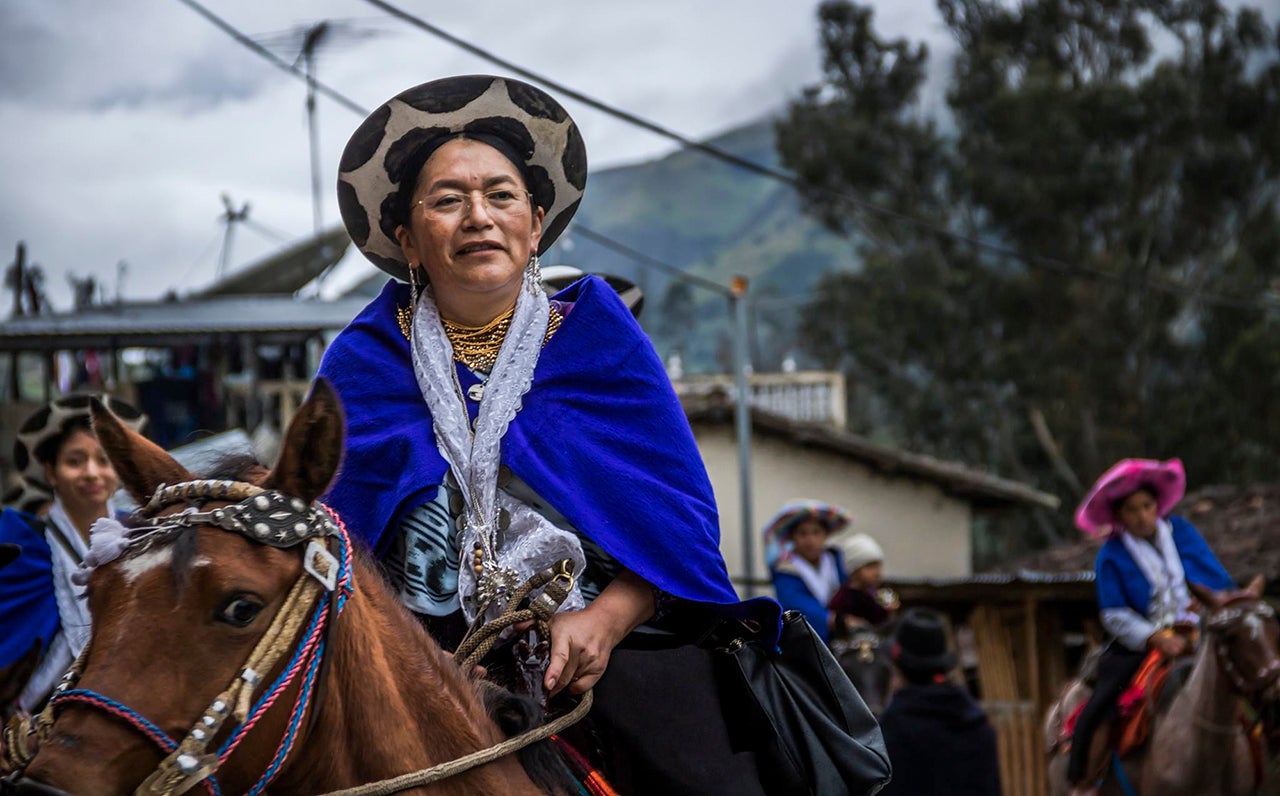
<point x="1168" y="480"/>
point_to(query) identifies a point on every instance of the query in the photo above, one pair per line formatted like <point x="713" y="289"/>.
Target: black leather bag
<point x="811" y="731"/>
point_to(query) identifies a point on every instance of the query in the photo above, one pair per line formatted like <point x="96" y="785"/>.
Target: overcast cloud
<point x="123" y="122"/>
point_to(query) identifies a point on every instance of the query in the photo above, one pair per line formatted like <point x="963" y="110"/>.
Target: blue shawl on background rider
<point x="28" y="607"/>
<point x="601" y="436"/>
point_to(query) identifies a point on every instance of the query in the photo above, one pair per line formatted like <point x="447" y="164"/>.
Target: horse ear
<point x="1207" y="596"/>
<point x="312" y="446"/>
<point x="1256" y="587"/>
<point x="141" y="464"/>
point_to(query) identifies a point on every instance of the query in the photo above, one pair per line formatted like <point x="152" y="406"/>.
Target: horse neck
<point x="1205" y="706"/>
<point x="389" y="702"/>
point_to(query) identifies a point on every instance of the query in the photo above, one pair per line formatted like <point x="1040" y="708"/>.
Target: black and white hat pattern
<point x="51" y="420"/>
<point x="382" y="149"/>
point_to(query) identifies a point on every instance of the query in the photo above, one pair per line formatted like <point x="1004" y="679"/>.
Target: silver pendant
<point x="475" y="392"/>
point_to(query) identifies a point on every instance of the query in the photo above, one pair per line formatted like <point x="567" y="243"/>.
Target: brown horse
<point x="175" y="621"/>
<point x="1196" y="745"/>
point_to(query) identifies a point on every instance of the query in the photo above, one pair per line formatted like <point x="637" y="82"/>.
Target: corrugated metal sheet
<point x="140" y="323"/>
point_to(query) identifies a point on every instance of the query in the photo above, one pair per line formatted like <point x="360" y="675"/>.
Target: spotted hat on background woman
<point x="50" y="421"/>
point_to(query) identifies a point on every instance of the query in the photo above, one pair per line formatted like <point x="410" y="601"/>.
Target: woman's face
<point x="809" y="539"/>
<point x="82" y="476"/>
<point x="475" y="254"/>
<point x="1138" y="514"/>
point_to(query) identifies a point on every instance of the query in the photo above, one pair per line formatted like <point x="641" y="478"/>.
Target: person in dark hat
<point x="939" y="739"/>
<point x="65" y="483"/>
<point x="493" y="430"/>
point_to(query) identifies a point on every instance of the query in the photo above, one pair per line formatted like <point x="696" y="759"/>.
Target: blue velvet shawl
<point x="28" y="608"/>
<point x="601" y="436"/>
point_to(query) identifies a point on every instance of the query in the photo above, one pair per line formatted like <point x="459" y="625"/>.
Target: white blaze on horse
<point x="1196" y="744"/>
<point x="235" y="634"/>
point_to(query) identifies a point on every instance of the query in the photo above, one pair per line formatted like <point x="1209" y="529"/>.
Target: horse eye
<point x="239" y="611"/>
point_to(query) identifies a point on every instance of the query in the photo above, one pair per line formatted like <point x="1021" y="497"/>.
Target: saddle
<point x="1134" y="709"/>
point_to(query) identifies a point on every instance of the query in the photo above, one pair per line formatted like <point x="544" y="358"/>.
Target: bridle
<point x="1266" y="680"/>
<point x="267" y="517"/>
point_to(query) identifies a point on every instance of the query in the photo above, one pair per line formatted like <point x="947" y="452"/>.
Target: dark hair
<point x="415" y="162"/>
<point x="1147" y="487"/>
<point x="47" y="452"/>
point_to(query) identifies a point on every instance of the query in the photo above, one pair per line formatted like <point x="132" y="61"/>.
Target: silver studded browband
<point x="261" y="515"/>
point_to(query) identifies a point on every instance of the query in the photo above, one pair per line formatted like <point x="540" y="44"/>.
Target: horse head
<point x="1246" y="638"/>
<point x="864" y="656"/>
<point x="175" y="675"/>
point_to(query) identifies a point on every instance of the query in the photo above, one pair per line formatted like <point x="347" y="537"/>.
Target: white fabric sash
<point x="1161" y="566"/>
<point x="530" y="543"/>
<point x="73" y="608"/>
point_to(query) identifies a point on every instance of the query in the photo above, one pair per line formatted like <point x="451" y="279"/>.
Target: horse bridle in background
<point x="267" y="517"/>
<point x="1224" y="619"/>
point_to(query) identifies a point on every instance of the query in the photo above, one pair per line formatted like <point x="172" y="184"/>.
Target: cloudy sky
<point x="123" y="123"/>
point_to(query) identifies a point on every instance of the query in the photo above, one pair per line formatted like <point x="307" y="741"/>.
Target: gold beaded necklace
<point x="477" y="346"/>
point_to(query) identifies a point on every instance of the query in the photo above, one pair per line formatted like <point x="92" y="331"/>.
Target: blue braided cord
<point x="281" y="682"/>
<point x="290" y="735"/>
<point x="153" y="732"/>
<point x="1121" y="776"/>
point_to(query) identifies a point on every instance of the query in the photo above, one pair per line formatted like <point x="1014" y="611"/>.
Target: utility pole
<point x="19" y="283"/>
<point x="231" y="216"/>
<point x="742" y="416"/>
<point x="314" y="36"/>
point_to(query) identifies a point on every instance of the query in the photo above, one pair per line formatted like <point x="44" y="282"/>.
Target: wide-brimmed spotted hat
<point x="51" y="420"/>
<point x="381" y="153"/>
<point x="26" y="496"/>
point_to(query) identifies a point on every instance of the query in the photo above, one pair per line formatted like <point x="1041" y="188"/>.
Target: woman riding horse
<point x="44" y="620"/>
<point x="493" y="432"/>
<point x="1142" y="574"/>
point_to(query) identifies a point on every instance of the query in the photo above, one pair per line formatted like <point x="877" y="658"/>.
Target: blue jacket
<point x="1121" y="583"/>
<point x="601" y="436"/>
<point x="794" y="595"/>
<point x="28" y="608"/>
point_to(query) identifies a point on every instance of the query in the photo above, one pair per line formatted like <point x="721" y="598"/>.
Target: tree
<point x="1083" y="266"/>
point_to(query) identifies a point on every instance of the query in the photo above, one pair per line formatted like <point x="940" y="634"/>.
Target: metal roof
<point x="979" y="487"/>
<point x="287" y="270"/>
<point x="164" y="323"/>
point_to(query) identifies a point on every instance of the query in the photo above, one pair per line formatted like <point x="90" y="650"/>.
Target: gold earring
<point x="404" y="315"/>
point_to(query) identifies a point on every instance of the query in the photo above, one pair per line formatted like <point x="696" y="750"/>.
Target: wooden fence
<point x="1022" y="763"/>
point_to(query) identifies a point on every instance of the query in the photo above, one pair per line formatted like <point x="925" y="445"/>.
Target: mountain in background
<point x="715" y="220"/>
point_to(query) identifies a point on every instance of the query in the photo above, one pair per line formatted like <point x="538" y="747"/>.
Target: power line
<point x="270" y="56"/>
<point x="1049" y="263"/>
<point x="644" y="259"/>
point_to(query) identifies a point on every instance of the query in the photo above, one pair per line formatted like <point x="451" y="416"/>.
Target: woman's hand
<point x="582" y="641"/>
<point x="1170" y="644"/>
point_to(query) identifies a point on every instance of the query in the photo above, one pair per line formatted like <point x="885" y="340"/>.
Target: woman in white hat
<point x="44" y="620"/>
<point x="494" y="431"/>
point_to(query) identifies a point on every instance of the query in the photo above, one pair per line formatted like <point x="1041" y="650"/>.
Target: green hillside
<point x="714" y="220"/>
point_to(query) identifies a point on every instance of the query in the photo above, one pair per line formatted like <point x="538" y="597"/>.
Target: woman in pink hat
<point x="1142" y="573"/>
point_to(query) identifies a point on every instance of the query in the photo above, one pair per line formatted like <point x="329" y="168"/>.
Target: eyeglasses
<point x="500" y="201"/>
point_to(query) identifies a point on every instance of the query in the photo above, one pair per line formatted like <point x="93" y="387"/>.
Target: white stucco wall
<point x="924" y="531"/>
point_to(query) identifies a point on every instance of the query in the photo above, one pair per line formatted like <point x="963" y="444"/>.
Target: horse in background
<point x="176" y="617"/>
<point x="1196" y="745"/>
<point x="864" y="655"/>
